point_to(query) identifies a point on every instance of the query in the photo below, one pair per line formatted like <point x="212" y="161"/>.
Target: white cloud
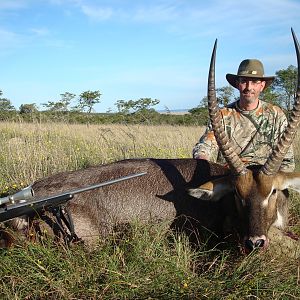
<point x="10" y="40"/>
<point x="12" y="4"/>
<point x="97" y="13"/>
<point x="192" y="17"/>
<point x="40" y="31"/>
<point x="155" y="13"/>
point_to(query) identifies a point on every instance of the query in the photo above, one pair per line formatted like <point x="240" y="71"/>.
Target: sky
<point x="132" y="49"/>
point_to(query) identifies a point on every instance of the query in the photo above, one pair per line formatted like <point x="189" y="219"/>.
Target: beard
<point x="249" y="96"/>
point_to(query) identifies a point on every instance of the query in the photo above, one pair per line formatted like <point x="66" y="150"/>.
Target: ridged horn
<point x="274" y="161"/>
<point x="225" y="146"/>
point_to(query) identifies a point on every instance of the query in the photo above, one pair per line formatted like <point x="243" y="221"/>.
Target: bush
<point x="147" y="117"/>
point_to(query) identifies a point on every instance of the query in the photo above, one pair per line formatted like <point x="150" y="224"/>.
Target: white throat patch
<point x="279" y="221"/>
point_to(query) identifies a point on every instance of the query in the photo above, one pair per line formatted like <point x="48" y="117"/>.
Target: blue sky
<point x="130" y="49"/>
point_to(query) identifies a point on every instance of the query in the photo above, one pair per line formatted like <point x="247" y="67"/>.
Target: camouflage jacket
<point x="254" y="134"/>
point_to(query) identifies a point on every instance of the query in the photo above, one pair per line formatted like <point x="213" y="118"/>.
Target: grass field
<point x="147" y="261"/>
<point x="32" y="151"/>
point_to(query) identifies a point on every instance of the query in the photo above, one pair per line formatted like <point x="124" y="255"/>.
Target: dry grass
<point x="32" y="151"/>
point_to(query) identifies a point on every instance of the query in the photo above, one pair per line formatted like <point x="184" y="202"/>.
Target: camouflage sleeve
<point x="288" y="163"/>
<point x="207" y="146"/>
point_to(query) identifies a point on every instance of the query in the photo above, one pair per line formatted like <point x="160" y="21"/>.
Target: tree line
<point x="71" y="108"/>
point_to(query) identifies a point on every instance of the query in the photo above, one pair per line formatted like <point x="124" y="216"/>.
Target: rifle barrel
<point x="96" y="186"/>
<point x="35" y="206"/>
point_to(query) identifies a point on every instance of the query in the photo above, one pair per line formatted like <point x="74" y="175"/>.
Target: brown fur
<point x="256" y="188"/>
<point x="159" y="195"/>
<point x="162" y="194"/>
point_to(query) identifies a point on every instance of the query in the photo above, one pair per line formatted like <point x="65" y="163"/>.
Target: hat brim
<point x="232" y="79"/>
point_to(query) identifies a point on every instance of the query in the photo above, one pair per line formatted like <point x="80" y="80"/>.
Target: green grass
<point x="147" y="262"/>
<point x="142" y="262"/>
<point x="294" y="212"/>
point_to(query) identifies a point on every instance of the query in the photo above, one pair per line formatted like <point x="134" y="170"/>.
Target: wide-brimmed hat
<point x="252" y="68"/>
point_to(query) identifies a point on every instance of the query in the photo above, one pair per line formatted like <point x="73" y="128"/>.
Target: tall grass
<point x="32" y="151"/>
<point x="142" y="262"/>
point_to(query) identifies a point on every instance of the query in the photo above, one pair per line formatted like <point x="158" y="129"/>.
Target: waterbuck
<point x="187" y="191"/>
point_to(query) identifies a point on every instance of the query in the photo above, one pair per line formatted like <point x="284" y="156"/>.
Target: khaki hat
<point x="250" y="68"/>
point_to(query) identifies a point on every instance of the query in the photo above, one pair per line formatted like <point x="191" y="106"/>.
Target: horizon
<point x="131" y="50"/>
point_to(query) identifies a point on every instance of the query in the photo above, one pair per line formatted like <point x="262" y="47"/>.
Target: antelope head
<point x="260" y="193"/>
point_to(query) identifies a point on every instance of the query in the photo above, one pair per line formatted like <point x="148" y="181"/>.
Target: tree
<point x="203" y="103"/>
<point x="140" y="110"/>
<point x="87" y="100"/>
<point x="66" y="99"/>
<point x="225" y="95"/>
<point x="5" y="104"/>
<point x="62" y="105"/>
<point x="145" y="104"/>
<point x="124" y="106"/>
<point x="269" y="95"/>
<point x="53" y="105"/>
<point x="28" y="108"/>
<point x="144" y="110"/>
<point x="136" y="106"/>
<point x="285" y="85"/>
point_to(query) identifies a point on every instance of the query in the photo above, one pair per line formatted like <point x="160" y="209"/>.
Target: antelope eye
<point x="274" y="191"/>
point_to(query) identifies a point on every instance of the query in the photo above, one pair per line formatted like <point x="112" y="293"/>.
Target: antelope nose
<point x="251" y="246"/>
<point x="259" y="243"/>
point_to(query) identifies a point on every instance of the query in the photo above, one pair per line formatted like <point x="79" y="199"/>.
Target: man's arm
<point x="288" y="163"/>
<point x="207" y="147"/>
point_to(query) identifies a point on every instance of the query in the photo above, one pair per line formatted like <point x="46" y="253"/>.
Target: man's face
<point x="250" y="89"/>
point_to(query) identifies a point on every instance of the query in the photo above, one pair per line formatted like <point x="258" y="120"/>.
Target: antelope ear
<point x="288" y="181"/>
<point x="213" y="190"/>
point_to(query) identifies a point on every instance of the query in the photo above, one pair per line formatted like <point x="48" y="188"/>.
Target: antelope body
<point x="161" y="194"/>
<point x="208" y="194"/>
<point x="177" y="190"/>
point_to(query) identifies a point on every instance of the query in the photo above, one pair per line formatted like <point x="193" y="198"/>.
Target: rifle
<point x="23" y="203"/>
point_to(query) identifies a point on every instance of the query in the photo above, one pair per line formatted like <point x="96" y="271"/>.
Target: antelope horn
<point x="274" y="161"/>
<point x="225" y="146"/>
